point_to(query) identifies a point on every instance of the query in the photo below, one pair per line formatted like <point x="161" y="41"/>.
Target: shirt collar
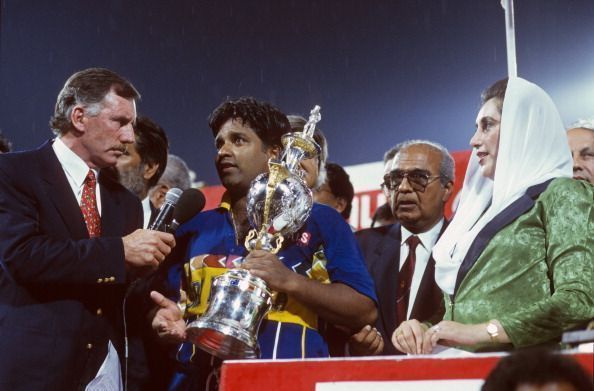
<point x="428" y="238"/>
<point x="72" y="164"/>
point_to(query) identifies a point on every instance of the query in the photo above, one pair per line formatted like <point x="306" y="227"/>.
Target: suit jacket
<point x="60" y="292"/>
<point x="381" y="250"/>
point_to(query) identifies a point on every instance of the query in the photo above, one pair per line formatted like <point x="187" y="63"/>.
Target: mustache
<point x="121" y="148"/>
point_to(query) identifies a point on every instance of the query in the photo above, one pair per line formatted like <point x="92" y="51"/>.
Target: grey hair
<point x="390" y="153"/>
<point x="177" y="173"/>
<point x="88" y="88"/>
<point x="447" y="165"/>
<point x="587" y="123"/>
<point x="297" y="123"/>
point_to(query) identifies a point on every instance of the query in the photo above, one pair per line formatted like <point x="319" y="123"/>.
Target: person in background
<point x="383" y="214"/>
<point x="314" y="168"/>
<point x="176" y="175"/>
<point x="398" y="257"/>
<point x="142" y="164"/>
<point x="581" y="143"/>
<point x="516" y="263"/>
<point x="336" y="191"/>
<point x="5" y="145"/>
<point x="70" y="243"/>
<point x="538" y="370"/>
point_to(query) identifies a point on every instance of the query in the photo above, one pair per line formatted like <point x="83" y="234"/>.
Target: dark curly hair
<point x="268" y="122"/>
<point x="536" y="367"/>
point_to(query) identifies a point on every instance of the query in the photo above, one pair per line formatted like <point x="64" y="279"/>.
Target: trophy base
<point x="222" y="340"/>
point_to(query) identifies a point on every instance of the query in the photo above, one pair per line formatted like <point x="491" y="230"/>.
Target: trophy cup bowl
<point x="283" y="210"/>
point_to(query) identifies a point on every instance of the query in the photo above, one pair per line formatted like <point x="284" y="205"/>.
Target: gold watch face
<point x="492" y="329"/>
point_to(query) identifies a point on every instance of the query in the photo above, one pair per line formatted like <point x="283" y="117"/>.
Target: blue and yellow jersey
<point x="324" y="249"/>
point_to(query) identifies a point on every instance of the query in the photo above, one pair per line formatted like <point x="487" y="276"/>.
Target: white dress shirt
<point x="109" y="376"/>
<point x="146" y="211"/>
<point x="423" y="253"/>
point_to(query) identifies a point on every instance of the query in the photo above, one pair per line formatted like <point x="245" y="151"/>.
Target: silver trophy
<point x="278" y="204"/>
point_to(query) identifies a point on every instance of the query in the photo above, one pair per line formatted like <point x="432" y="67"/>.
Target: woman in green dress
<point x="516" y="263"/>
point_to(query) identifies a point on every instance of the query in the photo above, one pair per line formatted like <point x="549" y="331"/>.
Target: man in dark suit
<point x="69" y="243"/>
<point x="418" y="185"/>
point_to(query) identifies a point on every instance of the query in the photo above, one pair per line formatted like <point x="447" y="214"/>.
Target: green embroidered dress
<point x="536" y="275"/>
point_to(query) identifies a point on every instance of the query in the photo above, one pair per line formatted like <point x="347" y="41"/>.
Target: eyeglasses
<point x="418" y="179"/>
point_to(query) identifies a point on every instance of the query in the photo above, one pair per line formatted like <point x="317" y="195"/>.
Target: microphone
<point x="165" y="214"/>
<point x="190" y="203"/>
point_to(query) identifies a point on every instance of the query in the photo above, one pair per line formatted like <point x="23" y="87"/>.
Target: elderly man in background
<point x="398" y="256"/>
<point x="142" y="164"/>
<point x="581" y="142"/>
<point x="176" y="175"/>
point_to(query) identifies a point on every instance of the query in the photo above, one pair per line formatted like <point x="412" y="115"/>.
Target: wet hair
<point x="5" y="145"/>
<point x="536" y="367"/>
<point x="88" y="88"/>
<point x="496" y="90"/>
<point x="268" y="122"/>
<point x="447" y="165"/>
<point x="297" y="123"/>
<point x="340" y="185"/>
<point x="151" y="145"/>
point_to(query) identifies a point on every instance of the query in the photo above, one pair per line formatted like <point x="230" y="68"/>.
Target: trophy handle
<point x="278" y="244"/>
<point x="251" y="235"/>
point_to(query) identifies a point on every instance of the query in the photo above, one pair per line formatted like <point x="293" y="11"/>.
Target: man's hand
<point x="268" y="267"/>
<point x="367" y="342"/>
<point x="410" y="336"/>
<point x="144" y="248"/>
<point x="168" y="320"/>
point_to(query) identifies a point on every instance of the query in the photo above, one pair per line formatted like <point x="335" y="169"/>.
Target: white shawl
<point x="532" y="149"/>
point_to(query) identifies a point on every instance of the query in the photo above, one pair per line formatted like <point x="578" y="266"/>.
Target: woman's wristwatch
<point x="493" y="331"/>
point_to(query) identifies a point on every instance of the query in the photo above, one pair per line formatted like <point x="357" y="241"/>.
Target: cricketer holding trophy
<point x="311" y="288"/>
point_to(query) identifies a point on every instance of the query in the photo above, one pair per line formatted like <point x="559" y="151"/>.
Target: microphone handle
<point x="163" y="218"/>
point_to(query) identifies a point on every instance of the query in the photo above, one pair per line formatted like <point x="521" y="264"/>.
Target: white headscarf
<point x="532" y="149"/>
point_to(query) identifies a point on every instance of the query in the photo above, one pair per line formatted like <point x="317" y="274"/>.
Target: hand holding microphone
<point x="144" y="248"/>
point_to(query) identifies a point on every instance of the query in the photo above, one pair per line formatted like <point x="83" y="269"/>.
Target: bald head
<point x="418" y="190"/>
<point x="581" y="143"/>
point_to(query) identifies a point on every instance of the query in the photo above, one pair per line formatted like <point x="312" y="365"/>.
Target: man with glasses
<point x="398" y="256"/>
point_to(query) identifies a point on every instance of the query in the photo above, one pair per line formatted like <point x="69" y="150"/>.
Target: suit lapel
<point x="110" y="218"/>
<point x="58" y="190"/>
<point x="427" y="286"/>
<point x="503" y="219"/>
<point x="387" y="261"/>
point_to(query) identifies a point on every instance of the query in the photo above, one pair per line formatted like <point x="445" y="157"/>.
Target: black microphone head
<point x="190" y="203"/>
<point x="172" y="196"/>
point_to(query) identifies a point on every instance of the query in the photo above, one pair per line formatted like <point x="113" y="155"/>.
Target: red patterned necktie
<point x="405" y="279"/>
<point x="88" y="206"/>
